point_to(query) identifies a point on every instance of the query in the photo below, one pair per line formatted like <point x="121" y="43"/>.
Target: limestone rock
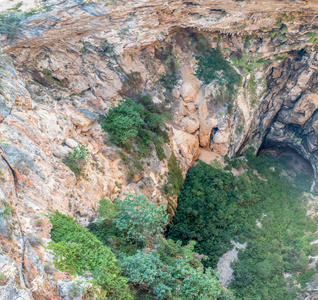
<point x="207" y="123"/>
<point x="303" y="109"/>
<point x="187" y="147"/>
<point x="188" y="91"/>
<point x="190" y="124"/>
<point x="71" y="143"/>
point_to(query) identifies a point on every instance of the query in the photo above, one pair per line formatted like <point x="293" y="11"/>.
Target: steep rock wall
<point x="73" y="63"/>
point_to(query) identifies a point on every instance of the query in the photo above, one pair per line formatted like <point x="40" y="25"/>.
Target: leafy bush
<point x="147" y="270"/>
<point x="140" y="218"/>
<point x="123" y="122"/>
<point x="9" y="24"/>
<point x="106" y="231"/>
<point x="77" y="250"/>
<point x="210" y="211"/>
<point x="173" y="272"/>
<point x="77" y="160"/>
<point x="107" y="210"/>
<point x="131" y="123"/>
<point x="212" y="66"/>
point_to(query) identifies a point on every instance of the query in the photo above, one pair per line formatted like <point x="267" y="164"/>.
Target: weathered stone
<point x="71" y="143"/>
<point x="188" y="91"/>
<point x="303" y="109"/>
<point x="190" y="124"/>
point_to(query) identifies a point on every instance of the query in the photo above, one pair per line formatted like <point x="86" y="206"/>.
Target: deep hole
<point x="291" y="159"/>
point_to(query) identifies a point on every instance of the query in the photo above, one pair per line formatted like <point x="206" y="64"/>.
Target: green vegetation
<point x="216" y="207"/>
<point x="130" y="124"/>
<point x="170" y="79"/>
<point x="77" y="160"/>
<point x="10" y="20"/>
<point x="3" y="279"/>
<point x="8" y="209"/>
<point x="168" y="56"/>
<point x="77" y="250"/>
<point x="9" y="24"/>
<point x="163" y="270"/>
<point x="173" y="272"/>
<point x="123" y="122"/>
<point x="175" y="178"/>
<point x="212" y="66"/>
<point x="141" y="219"/>
<point x="284" y="17"/>
<point x="106" y="230"/>
<point x="250" y="65"/>
<point x="313" y="37"/>
<point x="210" y="211"/>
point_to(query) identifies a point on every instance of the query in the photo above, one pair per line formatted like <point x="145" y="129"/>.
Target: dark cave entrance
<point x="299" y="169"/>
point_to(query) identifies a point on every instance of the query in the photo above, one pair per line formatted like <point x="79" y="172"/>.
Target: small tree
<point x="123" y="123"/>
<point x="77" y="160"/>
<point x="141" y="218"/>
<point x="148" y="271"/>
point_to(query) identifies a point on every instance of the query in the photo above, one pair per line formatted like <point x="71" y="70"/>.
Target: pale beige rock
<point x="190" y="123"/>
<point x="303" y="109"/>
<point x="186" y="147"/>
<point x="191" y="107"/>
<point x="60" y="151"/>
<point x="71" y="143"/>
<point x="220" y="142"/>
<point x="179" y="112"/>
<point x="48" y="124"/>
<point x="188" y="91"/>
<point x="207" y="123"/>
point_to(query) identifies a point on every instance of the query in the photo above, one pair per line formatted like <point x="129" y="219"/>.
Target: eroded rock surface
<point x="75" y="62"/>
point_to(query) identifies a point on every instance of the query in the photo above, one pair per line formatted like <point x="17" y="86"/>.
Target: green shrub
<point x="11" y="19"/>
<point x="175" y="177"/>
<point x="209" y="211"/>
<point x="140" y="218"/>
<point x="212" y="66"/>
<point x="106" y="231"/>
<point x="9" y="24"/>
<point x="173" y="272"/>
<point x="169" y="80"/>
<point x="304" y="278"/>
<point x="147" y="270"/>
<point x="130" y="123"/>
<point x="77" y="160"/>
<point x="77" y="250"/>
<point x="3" y="279"/>
<point x="107" y="210"/>
<point x="123" y="122"/>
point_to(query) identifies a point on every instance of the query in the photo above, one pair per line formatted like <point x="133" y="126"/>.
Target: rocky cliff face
<point x="74" y="62"/>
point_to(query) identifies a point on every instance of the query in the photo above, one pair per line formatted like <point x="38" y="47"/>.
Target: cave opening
<point x="299" y="168"/>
